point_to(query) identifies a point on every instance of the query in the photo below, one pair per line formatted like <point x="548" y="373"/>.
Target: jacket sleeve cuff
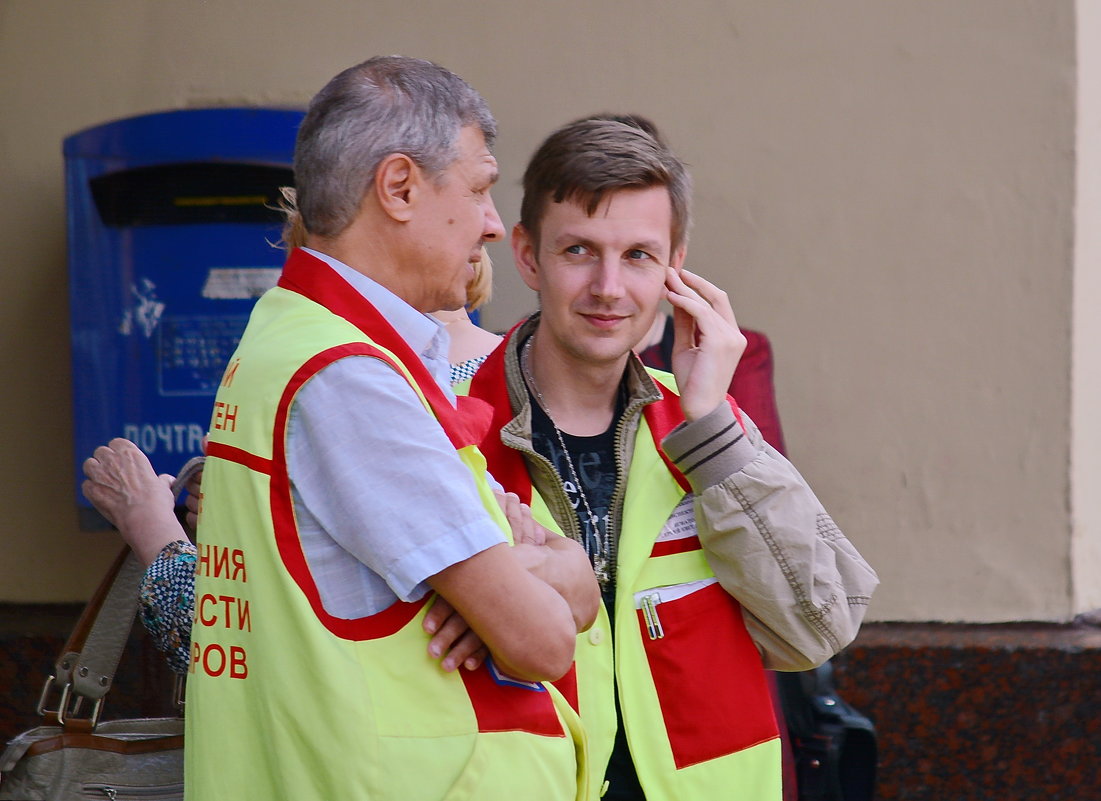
<point x="711" y="449"/>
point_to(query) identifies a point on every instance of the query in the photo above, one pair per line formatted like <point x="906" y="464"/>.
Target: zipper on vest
<point x="152" y="792"/>
<point x="649" y="606"/>
<point x="647" y="601"/>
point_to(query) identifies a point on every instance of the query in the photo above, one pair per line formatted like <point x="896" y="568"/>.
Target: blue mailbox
<point x="172" y="226"/>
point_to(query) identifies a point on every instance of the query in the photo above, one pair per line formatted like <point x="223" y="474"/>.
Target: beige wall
<point x="1086" y="361"/>
<point x="887" y="189"/>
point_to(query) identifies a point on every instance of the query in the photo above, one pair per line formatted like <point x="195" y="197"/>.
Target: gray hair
<point x="387" y="104"/>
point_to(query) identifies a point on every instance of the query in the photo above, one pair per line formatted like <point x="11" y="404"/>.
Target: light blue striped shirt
<point x="382" y="499"/>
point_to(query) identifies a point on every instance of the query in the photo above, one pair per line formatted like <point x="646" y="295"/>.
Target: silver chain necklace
<point x="600" y="554"/>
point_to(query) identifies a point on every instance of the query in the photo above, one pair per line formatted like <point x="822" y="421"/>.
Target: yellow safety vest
<point x="286" y="701"/>
<point x="693" y="693"/>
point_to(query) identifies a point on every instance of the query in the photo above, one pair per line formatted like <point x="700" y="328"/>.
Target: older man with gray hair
<point x="342" y="490"/>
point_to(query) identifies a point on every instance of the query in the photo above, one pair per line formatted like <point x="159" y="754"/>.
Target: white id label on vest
<point x="682" y="523"/>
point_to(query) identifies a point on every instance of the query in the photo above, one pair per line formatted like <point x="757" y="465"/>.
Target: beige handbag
<point x="73" y="755"/>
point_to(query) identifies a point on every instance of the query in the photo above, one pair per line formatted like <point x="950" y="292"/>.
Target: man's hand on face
<point x="707" y="343"/>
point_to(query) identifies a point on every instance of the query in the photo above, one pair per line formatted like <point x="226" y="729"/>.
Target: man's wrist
<point x="710" y="449"/>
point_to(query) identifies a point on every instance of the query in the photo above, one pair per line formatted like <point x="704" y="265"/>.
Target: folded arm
<point x="557" y="561"/>
<point x="381" y="523"/>
<point x="524" y="622"/>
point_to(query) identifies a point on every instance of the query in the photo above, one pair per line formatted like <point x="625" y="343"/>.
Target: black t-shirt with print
<point x="594" y="461"/>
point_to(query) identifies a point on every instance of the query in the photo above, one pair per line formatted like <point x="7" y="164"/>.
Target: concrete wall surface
<point x="886" y="189"/>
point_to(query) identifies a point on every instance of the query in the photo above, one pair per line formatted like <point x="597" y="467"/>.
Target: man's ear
<point x="523" y="253"/>
<point x="677" y="261"/>
<point x="397" y="182"/>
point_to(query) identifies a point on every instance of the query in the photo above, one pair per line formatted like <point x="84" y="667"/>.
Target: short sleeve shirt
<point x="382" y="499"/>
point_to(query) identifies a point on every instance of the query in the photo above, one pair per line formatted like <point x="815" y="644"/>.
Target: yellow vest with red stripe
<point x="693" y="693"/>
<point x="286" y="701"/>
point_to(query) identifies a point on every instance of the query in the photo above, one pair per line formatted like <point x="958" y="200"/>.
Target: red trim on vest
<point x="662" y="417"/>
<point x="500" y="707"/>
<point x="489" y="385"/>
<point x="230" y="453"/>
<point x="670" y="547"/>
<point x="497" y="707"/>
<point x="382" y="624"/>
<point x="665" y="415"/>
<point x="567" y="685"/>
<point x="312" y="278"/>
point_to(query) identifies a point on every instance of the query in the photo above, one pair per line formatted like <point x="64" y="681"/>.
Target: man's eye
<point x="576" y="250"/>
<point x="638" y="255"/>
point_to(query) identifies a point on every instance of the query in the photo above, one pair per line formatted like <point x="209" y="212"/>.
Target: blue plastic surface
<point x="156" y="309"/>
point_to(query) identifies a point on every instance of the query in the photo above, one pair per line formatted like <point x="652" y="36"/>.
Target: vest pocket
<point x="468" y="784"/>
<point x="706" y="670"/>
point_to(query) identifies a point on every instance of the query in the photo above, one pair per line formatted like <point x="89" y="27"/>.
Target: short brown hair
<point x="594" y="156"/>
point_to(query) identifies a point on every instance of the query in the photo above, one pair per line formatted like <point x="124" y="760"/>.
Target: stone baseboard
<point x="1010" y="712"/>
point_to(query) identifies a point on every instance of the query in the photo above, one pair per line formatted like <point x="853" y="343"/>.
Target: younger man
<point x="714" y="557"/>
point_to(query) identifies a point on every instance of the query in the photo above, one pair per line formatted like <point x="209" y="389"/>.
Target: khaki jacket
<point x="802" y="586"/>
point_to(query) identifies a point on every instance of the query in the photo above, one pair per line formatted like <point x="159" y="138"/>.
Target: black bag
<point x="835" y="746"/>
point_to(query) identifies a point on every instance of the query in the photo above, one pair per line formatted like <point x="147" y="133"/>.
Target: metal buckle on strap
<point x="179" y="692"/>
<point x="63" y="713"/>
<point x="41" y="708"/>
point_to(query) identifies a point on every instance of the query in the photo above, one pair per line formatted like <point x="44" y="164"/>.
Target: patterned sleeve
<point x="166" y="600"/>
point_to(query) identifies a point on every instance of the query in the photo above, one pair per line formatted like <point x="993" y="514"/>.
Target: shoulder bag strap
<point x="90" y="657"/>
<point x="87" y="665"/>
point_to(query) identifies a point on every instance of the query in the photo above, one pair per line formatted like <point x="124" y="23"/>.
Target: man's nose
<point x="607" y="277"/>
<point x="494" y="230"/>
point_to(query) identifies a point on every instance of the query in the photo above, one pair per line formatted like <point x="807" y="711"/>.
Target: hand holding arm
<point x="523" y="621"/>
<point x="560" y="562"/>
<point x="453" y="642"/>
<point x="524" y="528"/>
<point x="563" y="564"/>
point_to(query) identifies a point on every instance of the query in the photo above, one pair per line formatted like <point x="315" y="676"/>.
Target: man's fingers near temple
<point x="715" y="297"/>
<point x="705" y="314"/>
<point x="697" y="296"/>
